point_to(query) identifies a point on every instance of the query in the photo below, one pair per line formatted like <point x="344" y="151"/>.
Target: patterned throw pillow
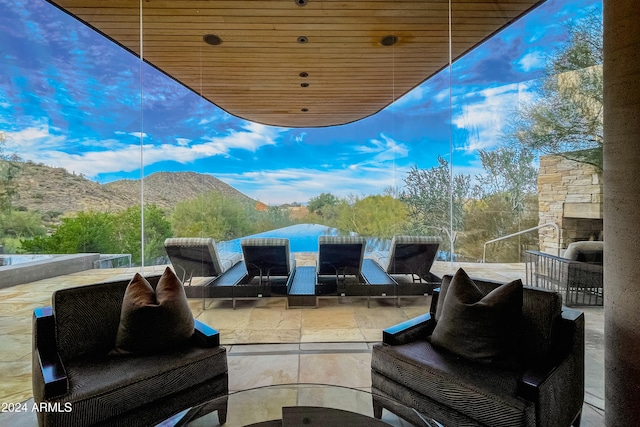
<point x="154" y="321"/>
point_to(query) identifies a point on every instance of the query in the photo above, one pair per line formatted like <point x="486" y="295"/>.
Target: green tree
<point x="274" y="217"/>
<point x="490" y="217"/>
<point x="429" y="193"/>
<point x="510" y="173"/>
<point x="88" y="232"/>
<point x="213" y="215"/>
<point x="566" y="117"/>
<point x="376" y="216"/>
<point x="505" y="202"/>
<point x="9" y="168"/>
<point x="128" y="229"/>
<point x="323" y="204"/>
<point x="21" y="224"/>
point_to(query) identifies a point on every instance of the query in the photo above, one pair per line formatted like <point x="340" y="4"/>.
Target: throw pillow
<point x="476" y="326"/>
<point x="154" y="321"/>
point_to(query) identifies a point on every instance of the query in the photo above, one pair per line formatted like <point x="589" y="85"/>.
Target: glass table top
<point x="304" y="405"/>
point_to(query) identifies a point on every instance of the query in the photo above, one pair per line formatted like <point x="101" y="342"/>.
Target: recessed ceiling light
<point x="304" y="74"/>
<point x="302" y="39"/>
<point x="301" y="2"/>
<point x="304" y="110"/>
<point x="304" y="84"/>
<point x="212" y="39"/>
<point x="389" y="40"/>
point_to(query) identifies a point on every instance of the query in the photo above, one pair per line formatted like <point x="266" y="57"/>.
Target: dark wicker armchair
<point x="74" y="368"/>
<point x="548" y="390"/>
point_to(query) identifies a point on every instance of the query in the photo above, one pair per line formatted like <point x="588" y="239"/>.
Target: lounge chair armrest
<point x="558" y="383"/>
<point x="204" y="335"/>
<point x="410" y="330"/>
<point x="49" y="375"/>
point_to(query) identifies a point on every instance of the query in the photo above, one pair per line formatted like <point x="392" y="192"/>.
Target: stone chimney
<point x="569" y="194"/>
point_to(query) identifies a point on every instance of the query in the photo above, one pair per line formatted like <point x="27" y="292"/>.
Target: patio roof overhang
<point x="298" y="63"/>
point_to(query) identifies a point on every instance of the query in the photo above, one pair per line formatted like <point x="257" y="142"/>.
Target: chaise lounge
<point x="410" y="255"/>
<point x="339" y="257"/>
<point x="269" y="259"/>
<point x="199" y="257"/>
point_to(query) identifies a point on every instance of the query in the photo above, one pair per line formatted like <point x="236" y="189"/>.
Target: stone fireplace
<point x="570" y="195"/>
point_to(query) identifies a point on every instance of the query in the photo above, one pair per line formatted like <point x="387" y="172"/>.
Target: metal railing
<point x="549" y="224"/>
<point x="113" y="261"/>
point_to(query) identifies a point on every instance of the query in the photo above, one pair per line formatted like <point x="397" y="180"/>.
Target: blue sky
<point x="71" y="98"/>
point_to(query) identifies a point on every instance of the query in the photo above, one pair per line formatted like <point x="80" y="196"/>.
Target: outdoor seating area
<point x="578" y="275"/>
<point x="302" y="141"/>
<point x="267" y="267"/>
<point x="267" y="344"/>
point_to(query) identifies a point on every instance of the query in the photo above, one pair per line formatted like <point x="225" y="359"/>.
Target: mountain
<point x="55" y="191"/>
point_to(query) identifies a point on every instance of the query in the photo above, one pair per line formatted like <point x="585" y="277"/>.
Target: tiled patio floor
<point x="268" y="344"/>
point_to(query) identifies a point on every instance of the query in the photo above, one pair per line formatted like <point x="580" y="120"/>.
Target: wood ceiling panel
<point x="254" y="73"/>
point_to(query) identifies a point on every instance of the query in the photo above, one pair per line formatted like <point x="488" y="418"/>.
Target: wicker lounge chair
<point x="414" y="256"/>
<point x="269" y="259"/>
<point x="338" y="257"/>
<point x="198" y="257"/>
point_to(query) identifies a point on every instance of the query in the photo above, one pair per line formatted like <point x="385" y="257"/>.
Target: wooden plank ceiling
<point x="263" y="70"/>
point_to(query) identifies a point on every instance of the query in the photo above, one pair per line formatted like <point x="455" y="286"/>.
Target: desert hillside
<point x="56" y="191"/>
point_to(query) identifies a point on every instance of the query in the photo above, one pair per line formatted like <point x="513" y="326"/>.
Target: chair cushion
<point x="408" y="254"/>
<point x="270" y="254"/>
<point x="199" y="257"/>
<point x="591" y="252"/>
<point x="106" y="387"/>
<point x="483" y="392"/>
<point x="340" y="254"/>
<point x="478" y="326"/>
<point x="152" y="321"/>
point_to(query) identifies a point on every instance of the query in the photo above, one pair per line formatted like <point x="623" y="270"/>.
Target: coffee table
<point x="303" y="405"/>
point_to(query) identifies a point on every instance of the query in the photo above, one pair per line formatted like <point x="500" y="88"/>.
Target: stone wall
<point x="570" y="195"/>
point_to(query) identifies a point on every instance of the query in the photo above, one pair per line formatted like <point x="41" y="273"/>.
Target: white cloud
<point x="29" y="140"/>
<point x="39" y="144"/>
<point x="299" y="185"/>
<point x="384" y="150"/>
<point x="415" y="96"/>
<point x="485" y="115"/>
<point x="300" y="137"/>
<point x="138" y="134"/>
<point x="532" y="61"/>
<point x="442" y="95"/>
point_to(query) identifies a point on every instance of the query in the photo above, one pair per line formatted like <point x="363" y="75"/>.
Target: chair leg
<point x="377" y="408"/>
<point x="576" y="421"/>
<point x="222" y="415"/>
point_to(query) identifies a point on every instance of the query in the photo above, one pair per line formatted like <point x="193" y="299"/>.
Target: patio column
<point x="622" y="211"/>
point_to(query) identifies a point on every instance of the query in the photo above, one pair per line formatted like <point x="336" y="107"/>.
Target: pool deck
<point x="270" y="344"/>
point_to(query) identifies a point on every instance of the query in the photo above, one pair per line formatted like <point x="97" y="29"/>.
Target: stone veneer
<point x="570" y="195"/>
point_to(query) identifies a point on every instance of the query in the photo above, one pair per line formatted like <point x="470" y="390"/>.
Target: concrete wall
<point x="622" y="211"/>
<point x="11" y="275"/>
